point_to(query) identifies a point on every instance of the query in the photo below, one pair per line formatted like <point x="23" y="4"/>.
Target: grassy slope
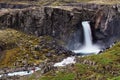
<point x="16" y="46"/>
<point x="80" y="71"/>
<point x="20" y="49"/>
<point x="105" y="66"/>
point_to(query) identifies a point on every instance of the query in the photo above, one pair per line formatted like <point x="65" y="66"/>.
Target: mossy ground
<point x="20" y="49"/>
<point x="16" y="46"/>
<point x="106" y="67"/>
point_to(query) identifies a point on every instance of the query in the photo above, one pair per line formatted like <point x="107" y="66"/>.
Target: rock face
<point x="108" y="24"/>
<point x="13" y="6"/>
<point x="61" y="24"/>
<point x="66" y="24"/>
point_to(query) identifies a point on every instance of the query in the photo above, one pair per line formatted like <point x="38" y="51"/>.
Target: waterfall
<point x="88" y="47"/>
<point x="87" y="34"/>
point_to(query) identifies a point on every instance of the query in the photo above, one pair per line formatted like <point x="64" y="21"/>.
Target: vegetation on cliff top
<point x="59" y="2"/>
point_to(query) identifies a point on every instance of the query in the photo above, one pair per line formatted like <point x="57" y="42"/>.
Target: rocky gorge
<point x="53" y="32"/>
<point x="65" y="24"/>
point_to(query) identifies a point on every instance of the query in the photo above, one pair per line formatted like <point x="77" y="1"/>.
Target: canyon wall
<point x="65" y="24"/>
<point x="14" y="6"/>
<point x="59" y="23"/>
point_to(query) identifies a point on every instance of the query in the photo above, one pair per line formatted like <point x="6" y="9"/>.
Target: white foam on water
<point x="68" y="60"/>
<point x="88" y="47"/>
<point x="22" y="73"/>
<point x="88" y="50"/>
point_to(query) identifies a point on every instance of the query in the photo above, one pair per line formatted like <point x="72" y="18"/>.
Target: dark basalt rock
<point x="58" y="23"/>
<point x="65" y="25"/>
<point x="13" y="6"/>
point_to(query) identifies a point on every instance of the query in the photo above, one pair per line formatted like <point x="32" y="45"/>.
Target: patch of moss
<point x="60" y="76"/>
<point x="106" y="67"/>
<point x="109" y="56"/>
<point x="115" y="78"/>
<point x="8" y="57"/>
<point x="22" y="49"/>
<point x="57" y="3"/>
<point x="22" y="52"/>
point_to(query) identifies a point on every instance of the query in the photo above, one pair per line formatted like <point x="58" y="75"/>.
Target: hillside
<point x="40" y="33"/>
<point x="104" y="66"/>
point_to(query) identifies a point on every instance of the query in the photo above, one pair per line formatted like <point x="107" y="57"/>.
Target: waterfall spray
<point x="88" y="47"/>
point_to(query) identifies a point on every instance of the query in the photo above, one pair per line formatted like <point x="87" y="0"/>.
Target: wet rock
<point x="108" y="68"/>
<point x="88" y="62"/>
<point x="43" y="21"/>
<point x="13" y="6"/>
<point x="48" y="55"/>
<point x="37" y="48"/>
<point x="46" y="67"/>
<point x="36" y="57"/>
<point x="63" y="24"/>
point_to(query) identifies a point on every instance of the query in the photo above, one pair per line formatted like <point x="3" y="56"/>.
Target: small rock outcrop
<point x="13" y="6"/>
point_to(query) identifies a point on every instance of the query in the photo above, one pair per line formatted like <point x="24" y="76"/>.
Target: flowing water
<point x="68" y="60"/>
<point x="88" y="47"/>
<point x="21" y="73"/>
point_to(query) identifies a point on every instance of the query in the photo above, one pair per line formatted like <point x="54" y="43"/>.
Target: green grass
<point x="115" y="78"/>
<point x="16" y="46"/>
<point x="105" y="64"/>
<point x="20" y="47"/>
<point x="80" y="71"/>
<point x="60" y="76"/>
<point x="109" y="56"/>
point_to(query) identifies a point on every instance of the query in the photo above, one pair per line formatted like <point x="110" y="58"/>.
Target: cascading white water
<point x="88" y="47"/>
<point x="87" y="34"/>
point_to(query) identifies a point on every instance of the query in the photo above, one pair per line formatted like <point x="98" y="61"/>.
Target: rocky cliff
<point x="14" y="6"/>
<point x="59" y="23"/>
<point x="65" y="24"/>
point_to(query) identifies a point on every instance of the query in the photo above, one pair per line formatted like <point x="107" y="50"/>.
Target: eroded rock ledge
<point x="13" y="6"/>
